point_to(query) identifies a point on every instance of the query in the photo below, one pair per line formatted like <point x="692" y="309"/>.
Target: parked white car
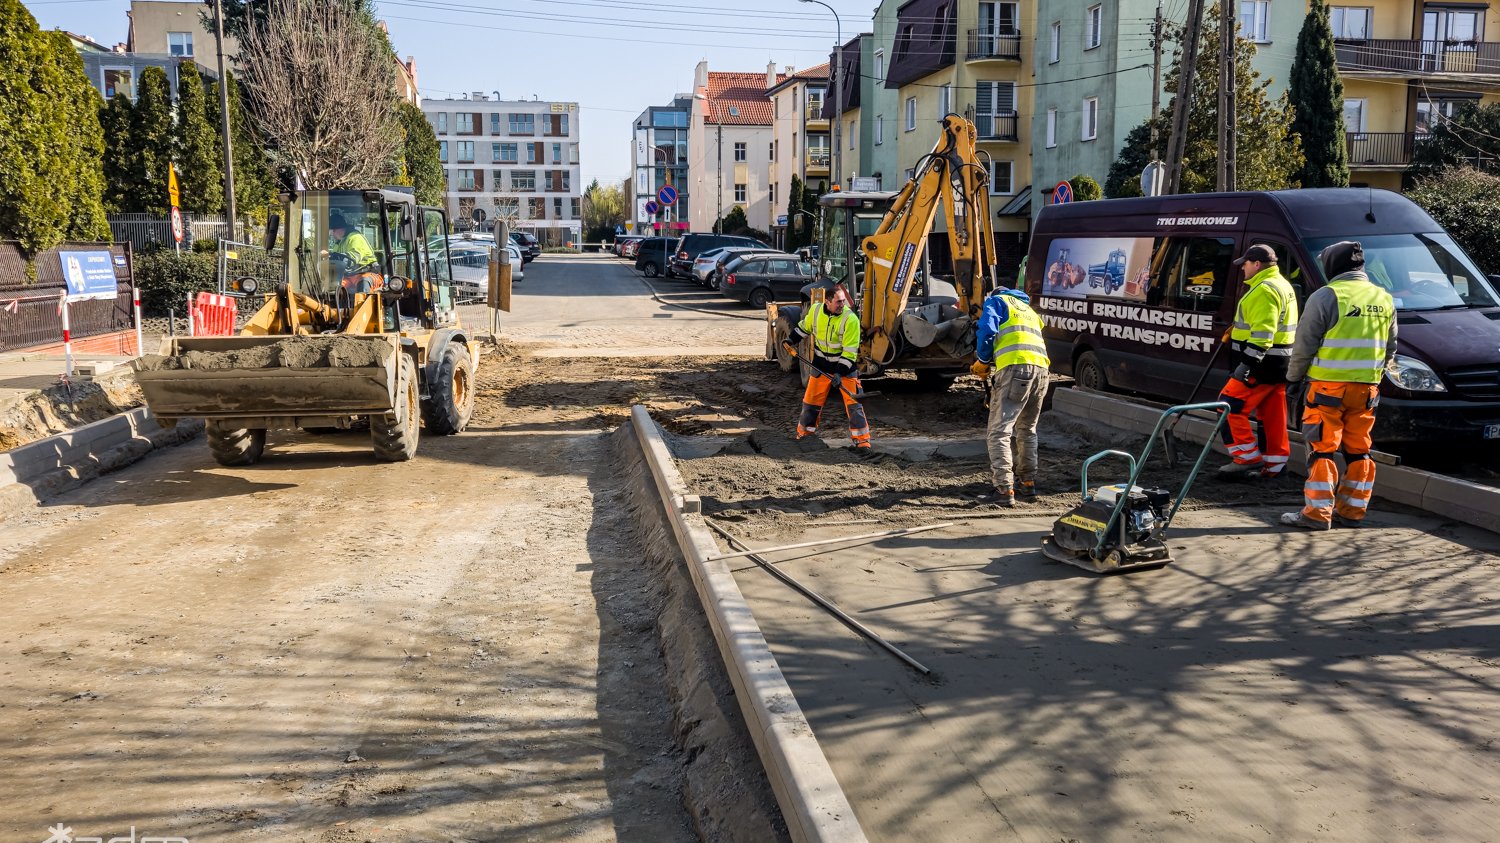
<point x="469" y="256"/>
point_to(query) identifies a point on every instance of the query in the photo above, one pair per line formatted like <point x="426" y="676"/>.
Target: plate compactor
<point x="1120" y="528"/>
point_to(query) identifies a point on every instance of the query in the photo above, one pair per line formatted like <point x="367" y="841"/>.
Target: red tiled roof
<point x="812" y="74"/>
<point x="739" y="99"/>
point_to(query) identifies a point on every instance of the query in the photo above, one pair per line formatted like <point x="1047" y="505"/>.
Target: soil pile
<point x="63" y="407"/>
<point x="315" y="352"/>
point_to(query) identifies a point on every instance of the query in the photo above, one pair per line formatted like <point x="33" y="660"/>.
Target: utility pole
<point x="1182" y="103"/>
<point x="719" y="223"/>
<point x="1228" y="102"/>
<point x="229" y="209"/>
<point x="1156" y="84"/>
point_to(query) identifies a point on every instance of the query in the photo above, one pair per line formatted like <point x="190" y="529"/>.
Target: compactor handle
<point x="1099" y="456"/>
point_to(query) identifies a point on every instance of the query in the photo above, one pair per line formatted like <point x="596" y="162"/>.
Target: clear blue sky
<point x="614" y="58"/>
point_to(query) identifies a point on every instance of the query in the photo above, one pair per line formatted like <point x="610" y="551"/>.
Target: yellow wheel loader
<point x="362" y="329"/>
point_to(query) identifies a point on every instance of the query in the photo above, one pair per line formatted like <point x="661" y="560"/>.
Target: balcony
<point x="994" y="46"/>
<point x="997" y="127"/>
<point x="818" y="160"/>
<point x="1405" y="58"/>
<point x="1380" y="150"/>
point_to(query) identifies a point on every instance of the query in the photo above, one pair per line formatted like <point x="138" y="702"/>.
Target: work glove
<point x="1225" y="338"/>
<point x="790" y="346"/>
<point x="843" y="368"/>
<point x="1242" y="374"/>
<point x="980" y="369"/>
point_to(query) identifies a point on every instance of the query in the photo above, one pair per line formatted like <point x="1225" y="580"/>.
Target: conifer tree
<point x="151" y="144"/>
<point x="114" y="122"/>
<point x="1317" y="97"/>
<point x="199" y="160"/>
<point x="424" y="168"/>
<point x="798" y="232"/>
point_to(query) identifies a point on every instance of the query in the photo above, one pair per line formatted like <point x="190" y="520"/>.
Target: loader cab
<point x="848" y="218"/>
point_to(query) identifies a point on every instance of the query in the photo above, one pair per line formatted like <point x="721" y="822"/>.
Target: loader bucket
<point x="270" y="377"/>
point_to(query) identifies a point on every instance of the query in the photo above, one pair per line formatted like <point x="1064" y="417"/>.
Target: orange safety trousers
<point x="1267" y="401"/>
<point x="1338" y="416"/>
<point x="812" y="408"/>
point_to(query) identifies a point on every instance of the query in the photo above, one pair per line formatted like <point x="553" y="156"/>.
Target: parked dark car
<point x="708" y="267"/>
<point x="652" y="255"/>
<point x="692" y="245"/>
<point x="528" y="244"/>
<point x="760" y="279"/>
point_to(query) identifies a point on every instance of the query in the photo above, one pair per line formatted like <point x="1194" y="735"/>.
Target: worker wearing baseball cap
<point x="1265" y="323"/>
<point x="1343" y="347"/>
<point x="834" y="327"/>
<point x="1009" y="341"/>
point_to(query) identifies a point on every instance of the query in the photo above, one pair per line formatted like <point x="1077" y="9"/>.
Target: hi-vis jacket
<point x="1265" y="325"/>
<point x="834" y="337"/>
<point x="1348" y="334"/>
<point x="1010" y="332"/>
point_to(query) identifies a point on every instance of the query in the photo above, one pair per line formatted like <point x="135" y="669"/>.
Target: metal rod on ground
<point x="864" y="538"/>
<point x="823" y="602"/>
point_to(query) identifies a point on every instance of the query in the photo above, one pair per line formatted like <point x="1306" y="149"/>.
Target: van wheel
<point x="1089" y="374"/>
<point x="652" y="270"/>
<point x="760" y="297"/>
<point x="934" y="380"/>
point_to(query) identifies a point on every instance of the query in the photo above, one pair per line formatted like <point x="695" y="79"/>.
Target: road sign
<point x="177" y="231"/>
<point x="172" y="192"/>
<point x="864" y="184"/>
<point x="1152" y="178"/>
<point x="652" y="208"/>
<point x="619" y="229"/>
<point x="1063" y="193"/>
<point x="478" y="215"/>
<point x="667" y="195"/>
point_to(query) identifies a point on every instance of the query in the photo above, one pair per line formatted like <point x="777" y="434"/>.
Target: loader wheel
<point x="235" y="446"/>
<point x="395" y="437"/>
<point x="934" y="380"/>
<point x="452" y="403"/>
<point x="784" y="359"/>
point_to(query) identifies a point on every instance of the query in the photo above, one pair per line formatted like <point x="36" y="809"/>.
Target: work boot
<point x="1238" y="472"/>
<point x="1027" y="492"/>
<point x="1297" y="519"/>
<point x="1000" y="497"/>
<point x="1347" y="522"/>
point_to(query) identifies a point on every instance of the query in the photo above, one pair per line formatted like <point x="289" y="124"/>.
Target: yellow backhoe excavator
<point x="875" y="243"/>
<point x="361" y="329"/>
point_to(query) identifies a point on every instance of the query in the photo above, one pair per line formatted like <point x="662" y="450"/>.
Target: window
<point x="523" y="181"/>
<point x="774" y="144"/>
<point x="945" y="101"/>
<point x="494" y="122"/>
<point x="999" y="18"/>
<point x="1091" y="118"/>
<point x="463" y="179"/>
<point x="1054" y="43"/>
<point x="497" y="178"/>
<point x="911" y="113"/>
<point x="119" y="80"/>
<point x="995" y="110"/>
<point x="1253" y="14"/>
<point x="880" y="65"/>
<point x="180" y="44"/>
<point x="536" y="209"/>
<point x="1190" y="273"/>
<point x="523" y="124"/>
<point x="911" y="173"/>
<point x="557" y="153"/>
<point x="817" y="151"/>
<point x="669" y="119"/>
<point x="814" y="103"/>
<point x="773" y="194"/>
<point x="442" y="151"/>
<point x="575" y="202"/>
<point x="739" y="192"/>
<point x="1350" y="22"/>
<point x="739" y="151"/>
<point x="1002" y="180"/>
<point x="879" y="130"/>
<point x="442" y="122"/>
<point x="1051" y="128"/>
<point x="532" y="155"/>
<point x="465" y="152"/>
<point x="505" y="152"/>
<point x="573" y="153"/>
<point x="852" y="134"/>
<point x="557" y="208"/>
<point x="1093" y="34"/>
<point x="1354" y="116"/>
<point x="463" y="123"/>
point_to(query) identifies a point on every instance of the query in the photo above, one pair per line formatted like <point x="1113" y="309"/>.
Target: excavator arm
<point x="951" y="175"/>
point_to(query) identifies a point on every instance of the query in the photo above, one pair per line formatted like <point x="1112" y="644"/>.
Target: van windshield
<point x="1421" y="271"/>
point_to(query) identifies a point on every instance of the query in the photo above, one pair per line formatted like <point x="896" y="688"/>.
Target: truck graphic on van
<point x="1111" y="274"/>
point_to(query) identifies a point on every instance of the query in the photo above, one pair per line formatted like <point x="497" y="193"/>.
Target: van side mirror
<point x="273" y="222"/>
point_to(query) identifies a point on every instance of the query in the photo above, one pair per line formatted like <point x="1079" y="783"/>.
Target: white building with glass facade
<point x="515" y="160"/>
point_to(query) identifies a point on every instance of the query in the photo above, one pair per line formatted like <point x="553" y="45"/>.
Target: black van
<point x="1135" y="293"/>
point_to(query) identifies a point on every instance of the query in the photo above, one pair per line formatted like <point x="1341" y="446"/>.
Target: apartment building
<point x="729" y="146"/>
<point x="800" y="139"/>
<point x="515" y="159"/>
<point x="660" y="157"/>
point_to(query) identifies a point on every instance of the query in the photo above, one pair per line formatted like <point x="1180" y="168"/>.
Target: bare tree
<point x="322" y="90"/>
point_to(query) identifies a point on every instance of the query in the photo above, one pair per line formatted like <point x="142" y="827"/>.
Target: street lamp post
<point x="665" y="211"/>
<point x="838" y="94"/>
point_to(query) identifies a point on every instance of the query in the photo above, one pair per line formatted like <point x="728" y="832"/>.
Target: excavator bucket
<point x="270" y="377"/>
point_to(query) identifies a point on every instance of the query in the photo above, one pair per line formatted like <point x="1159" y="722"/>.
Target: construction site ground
<point x="480" y="645"/>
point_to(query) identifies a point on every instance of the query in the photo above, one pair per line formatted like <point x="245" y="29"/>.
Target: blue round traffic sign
<point x="652" y="207"/>
<point x="667" y="195"/>
<point x="1062" y="193"/>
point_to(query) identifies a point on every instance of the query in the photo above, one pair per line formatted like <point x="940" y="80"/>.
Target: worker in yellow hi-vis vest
<point x="1345" y="340"/>
<point x="1010" y="343"/>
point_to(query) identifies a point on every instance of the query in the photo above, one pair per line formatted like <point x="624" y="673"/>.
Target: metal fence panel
<point x="28" y="311"/>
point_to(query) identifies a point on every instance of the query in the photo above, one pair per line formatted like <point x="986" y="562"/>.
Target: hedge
<point x="166" y="277"/>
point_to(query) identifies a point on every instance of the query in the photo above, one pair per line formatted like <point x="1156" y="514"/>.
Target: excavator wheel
<point x="784" y="359"/>
<point x="395" y="436"/>
<point x="451" y="404"/>
<point x="235" y="446"/>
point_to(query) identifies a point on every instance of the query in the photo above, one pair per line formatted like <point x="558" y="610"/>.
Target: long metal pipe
<point x="822" y="601"/>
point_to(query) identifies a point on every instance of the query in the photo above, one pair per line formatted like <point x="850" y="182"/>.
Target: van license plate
<point x="1492" y="431"/>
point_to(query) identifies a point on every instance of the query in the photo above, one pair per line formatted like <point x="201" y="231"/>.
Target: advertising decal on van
<point x="1098" y="267"/>
<point x="1054" y="308"/>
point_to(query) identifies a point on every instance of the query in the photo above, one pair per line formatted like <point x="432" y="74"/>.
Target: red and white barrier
<point x="213" y="315"/>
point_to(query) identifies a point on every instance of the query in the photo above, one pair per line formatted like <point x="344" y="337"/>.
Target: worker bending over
<point x="1346" y="340"/>
<point x="1265" y="323"/>
<point x="1010" y="342"/>
<point x="834" y="327"/>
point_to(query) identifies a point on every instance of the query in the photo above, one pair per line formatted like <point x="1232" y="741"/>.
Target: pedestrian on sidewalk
<point x="834" y="327"/>
<point x="1346" y="340"/>
<point x="1265" y="323"/>
<point x="1010" y="343"/>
